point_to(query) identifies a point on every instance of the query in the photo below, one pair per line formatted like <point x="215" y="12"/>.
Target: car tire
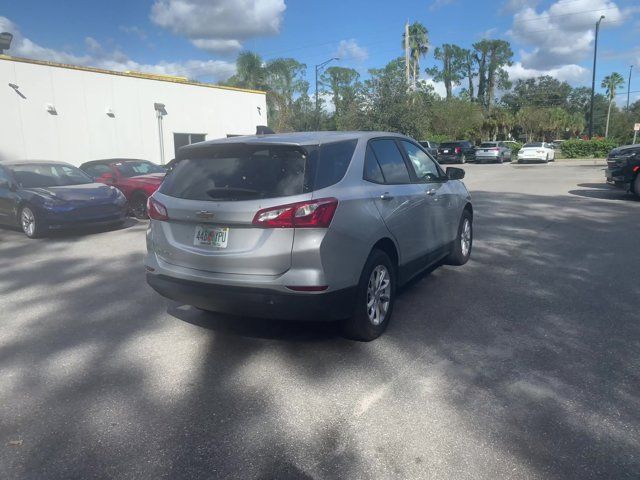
<point x="547" y="159"/>
<point x="463" y="244"/>
<point x="366" y="323"/>
<point x="500" y="159"/>
<point x="138" y="206"/>
<point x="29" y="222"/>
<point x="463" y="159"/>
<point x="636" y="186"/>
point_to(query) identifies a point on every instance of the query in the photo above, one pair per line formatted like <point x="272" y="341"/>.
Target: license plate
<point x="485" y="150"/>
<point x="206" y="236"/>
<point x="445" y="151"/>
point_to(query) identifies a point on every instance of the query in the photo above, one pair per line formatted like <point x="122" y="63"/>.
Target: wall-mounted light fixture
<point x="110" y="113"/>
<point x="16" y="88"/>
<point x="49" y="107"/>
<point x="259" y="111"/>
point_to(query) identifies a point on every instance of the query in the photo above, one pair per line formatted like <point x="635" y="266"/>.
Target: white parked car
<point x="536" y="152"/>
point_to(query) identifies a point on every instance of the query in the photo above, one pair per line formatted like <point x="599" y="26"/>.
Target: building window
<point x="182" y="139"/>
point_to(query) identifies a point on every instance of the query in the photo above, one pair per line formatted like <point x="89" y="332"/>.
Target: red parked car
<point x="137" y="179"/>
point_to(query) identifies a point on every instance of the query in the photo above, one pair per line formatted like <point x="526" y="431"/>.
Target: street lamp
<point x="5" y="41"/>
<point x="629" y="86"/>
<point x="593" y="80"/>
<point x="318" y="68"/>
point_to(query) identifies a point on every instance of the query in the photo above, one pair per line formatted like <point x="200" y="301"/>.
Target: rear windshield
<point x="532" y="145"/>
<point x="135" y="168"/>
<point x="488" y="145"/>
<point x="247" y="172"/>
<point x="43" y="175"/>
<point x="452" y="144"/>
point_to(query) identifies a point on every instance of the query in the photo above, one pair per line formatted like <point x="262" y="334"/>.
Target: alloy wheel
<point x="28" y="221"/>
<point x="378" y="294"/>
<point x="465" y="237"/>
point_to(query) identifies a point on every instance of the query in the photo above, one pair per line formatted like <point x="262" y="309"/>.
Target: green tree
<point x="467" y="66"/>
<point x="344" y="86"/>
<point x="250" y="71"/>
<point x="452" y="71"/>
<point x="492" y="56"/>
<point x="456" y="119"/>
<point x="285" y="78"/>
<point x="543" y="91"/>
<point x="611" y="83"/>
<point x="418" y="47"/>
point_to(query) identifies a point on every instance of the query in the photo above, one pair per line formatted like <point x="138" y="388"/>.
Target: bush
<point x="515" y="148"/>
<point x="597" y="148"/>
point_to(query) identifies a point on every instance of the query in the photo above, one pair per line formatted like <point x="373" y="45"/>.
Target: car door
<point x="402" y="203"/>
<point x="441" y="197"/>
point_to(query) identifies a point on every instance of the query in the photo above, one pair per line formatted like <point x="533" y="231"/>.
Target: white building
<point x="51" y="111"/>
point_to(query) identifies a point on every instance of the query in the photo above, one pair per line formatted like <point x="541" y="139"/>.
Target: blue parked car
<point x="43" y="196"/>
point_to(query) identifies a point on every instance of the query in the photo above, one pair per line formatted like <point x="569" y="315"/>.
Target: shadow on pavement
<point x="523" y="363"/>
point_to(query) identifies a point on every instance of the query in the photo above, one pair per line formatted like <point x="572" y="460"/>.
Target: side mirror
<point x="106" y="177"/>
<point x="454" y="173"/>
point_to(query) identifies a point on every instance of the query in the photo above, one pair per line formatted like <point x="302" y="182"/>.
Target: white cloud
<point x="512" y="6"/>
<point x="489" y="33"/>
<point x="133" y="30"/>
<point x="116" y="60"/>
<point x="563" y="34"/>
<point x="203" y="21"/>
<point x="438" y="87"/>
<point x="350" y="50"/>
<point x="217" y="46"/>
<point x="570" y="73"/>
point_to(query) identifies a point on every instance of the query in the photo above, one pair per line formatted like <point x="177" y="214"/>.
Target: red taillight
<point x="156" y="210"/>
<point x="311" y="214"/>
<point x="495" y="149"/>
<point x="636" y="168"/>
<point x="458" y="149"/>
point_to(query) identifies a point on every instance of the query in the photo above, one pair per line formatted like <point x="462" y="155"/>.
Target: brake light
<point x="495" y="149"/>
<point x="156" y="210"/>
<point x="636" y="168"/>
<point x="310" y="214"/>
<point x="458" y="149"/>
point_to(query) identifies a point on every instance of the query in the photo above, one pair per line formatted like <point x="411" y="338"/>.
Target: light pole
<point x="318" y="68"/>
<point x="593" y="80"/>
<point x="629" y="86"/>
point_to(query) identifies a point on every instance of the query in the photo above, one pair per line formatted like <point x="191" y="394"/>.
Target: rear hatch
<point x="212" y="197"/>
<point x="488" y="149"/>
<point x="449" y="149"/>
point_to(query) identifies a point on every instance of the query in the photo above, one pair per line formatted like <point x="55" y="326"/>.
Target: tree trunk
<point x="470" y="77"/>
<point x="606" y="130"/>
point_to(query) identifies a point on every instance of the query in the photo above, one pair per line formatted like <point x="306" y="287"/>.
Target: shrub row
<point x="597" y="148"/>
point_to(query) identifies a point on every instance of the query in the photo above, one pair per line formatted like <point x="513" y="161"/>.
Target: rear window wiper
<point x="227" y="193"/>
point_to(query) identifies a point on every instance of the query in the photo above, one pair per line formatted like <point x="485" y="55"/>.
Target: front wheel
<point x="29" y="222"/>
<point x="374" y="300"/>
<point x="464" y="241"/>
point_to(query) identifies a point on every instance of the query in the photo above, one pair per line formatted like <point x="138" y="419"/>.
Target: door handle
<point x="386" y="196"/>
<point x="431" y="191"/>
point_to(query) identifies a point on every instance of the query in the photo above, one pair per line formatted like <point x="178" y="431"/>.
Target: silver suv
<point x="322" y="225"/>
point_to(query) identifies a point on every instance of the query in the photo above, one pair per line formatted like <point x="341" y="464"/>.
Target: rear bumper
<point x="618" y="178"/>
<point x="256" y="302"/>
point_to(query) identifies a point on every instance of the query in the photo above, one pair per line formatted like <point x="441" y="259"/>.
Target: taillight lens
<point x="495" y="149"/>
<point x="311" y="214"/>
<point x="458" y="149"/>
<point x="156" y="210"/>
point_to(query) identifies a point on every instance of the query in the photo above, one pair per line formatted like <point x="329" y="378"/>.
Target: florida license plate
<point x="445" y="151"/>
<point x="206" y="236"/>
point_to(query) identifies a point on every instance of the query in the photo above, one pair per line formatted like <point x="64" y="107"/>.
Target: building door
<point x="182" y="139"/>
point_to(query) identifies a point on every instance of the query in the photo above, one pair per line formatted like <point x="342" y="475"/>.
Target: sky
<point x="200" y="39"/>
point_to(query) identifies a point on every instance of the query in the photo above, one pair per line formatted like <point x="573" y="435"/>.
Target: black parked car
<point x="623" y="168"/>
<point x="43" y="196"/>
<point x="430" y="147"/>
<point x="460" y="151"/>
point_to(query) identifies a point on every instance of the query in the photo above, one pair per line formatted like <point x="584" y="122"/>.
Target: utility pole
<point x="406" y="49"/>
<point x="629" y="86"/>
<point x="318" y="68"/>
<point x="593" y="80"/>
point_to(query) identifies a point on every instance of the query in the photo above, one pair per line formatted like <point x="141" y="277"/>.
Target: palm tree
<point x="611" y="83"/>
<point x="418" y="47"/>
<point x="250" y="71"/>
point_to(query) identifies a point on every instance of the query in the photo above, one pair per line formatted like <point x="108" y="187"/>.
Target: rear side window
<point x="239" y="172"/>
<point x="333" y="163"/>
<point x="97" y="170"/>
<point x="372" y="172"/>
<point x="391" y="161"/>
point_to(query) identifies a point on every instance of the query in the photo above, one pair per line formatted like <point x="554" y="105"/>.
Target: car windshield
<point x="41" y="175"/>
<point x="137" y="167"/>
<point x="488" y="145"/>
<point x="532" y="145"/>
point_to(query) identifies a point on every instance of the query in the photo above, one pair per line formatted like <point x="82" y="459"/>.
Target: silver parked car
<point x="322" y="225"/>
<point x="493" y="152"/>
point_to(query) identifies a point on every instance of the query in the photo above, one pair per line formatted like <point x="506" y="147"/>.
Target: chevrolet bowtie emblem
<point x="204" y="214"/>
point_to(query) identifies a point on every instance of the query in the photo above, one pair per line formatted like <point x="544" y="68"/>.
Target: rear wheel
<point x="464" y="241"/>
<point x="138" y="206"/>
<point x="374" y="300"/>
<point x="500" y="159"/>
<point x="636" y="186"/>
<point x="29" y="222"/>
<point x="463" y="159"/>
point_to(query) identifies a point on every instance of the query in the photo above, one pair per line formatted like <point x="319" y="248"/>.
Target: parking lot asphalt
<point x="525" y="363"/>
